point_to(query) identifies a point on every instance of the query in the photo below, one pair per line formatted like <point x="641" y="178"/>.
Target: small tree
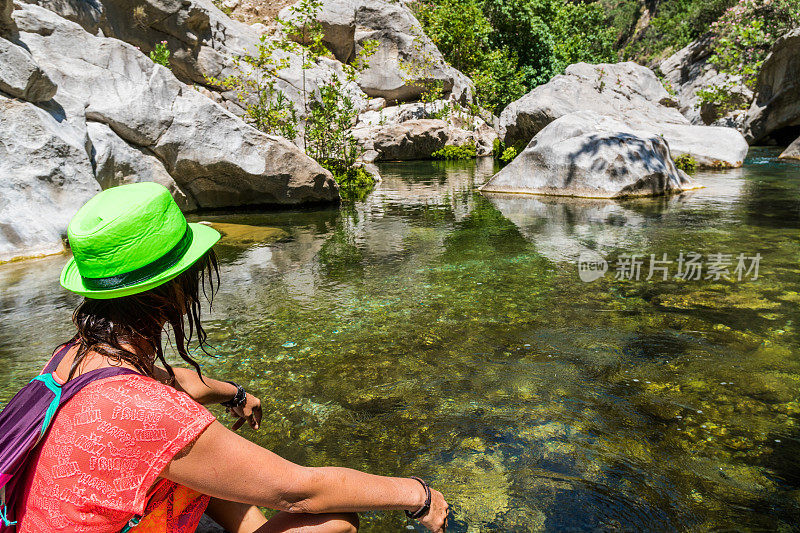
<point x="266" y="107"/>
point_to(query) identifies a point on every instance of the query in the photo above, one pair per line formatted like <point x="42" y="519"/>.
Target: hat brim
<point x="203" y="238"/>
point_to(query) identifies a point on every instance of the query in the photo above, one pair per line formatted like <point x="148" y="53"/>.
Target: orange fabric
<point x="100" y="461"/>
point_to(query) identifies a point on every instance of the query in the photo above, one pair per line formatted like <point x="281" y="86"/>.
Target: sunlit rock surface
<point x="776" y="106"/>
<point x="591" y="155"/>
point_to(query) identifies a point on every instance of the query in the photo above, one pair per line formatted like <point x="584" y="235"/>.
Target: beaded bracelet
<point x="422" y="511"/>
<point x="238" y="400"/>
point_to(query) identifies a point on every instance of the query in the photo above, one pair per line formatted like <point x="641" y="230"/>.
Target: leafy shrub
<point x="716" y="101"/>
<point x="465" y="151"/>
<point x="160" y="54"/>
<point x="498" y="81"/>
<point x="744" y="34"/>
<point x="510" y="46"/>
<point x="329" y="127"/>
<point x="673" y="25"/>
<point x="508" y="154"/>
<point x="266" y="107"/>
<point x="355" y="183"/>
<point x="685" y="162"/>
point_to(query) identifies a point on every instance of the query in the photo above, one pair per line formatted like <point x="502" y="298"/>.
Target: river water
<point x="433" y="331"/>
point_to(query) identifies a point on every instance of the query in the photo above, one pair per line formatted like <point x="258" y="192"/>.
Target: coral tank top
<point x="100" y="461"/>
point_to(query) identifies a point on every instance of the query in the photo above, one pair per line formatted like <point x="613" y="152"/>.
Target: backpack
<point x="24" y="421"/>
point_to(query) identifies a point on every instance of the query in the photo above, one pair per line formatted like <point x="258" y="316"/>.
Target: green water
<point x="433" y="331"/>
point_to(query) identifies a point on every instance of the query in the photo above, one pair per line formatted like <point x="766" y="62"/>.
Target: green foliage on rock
<point x="355" y="183"/>
<point x="672" y="26"/>
<point x="744" y="34"/>
<point x="685" y="162"/>
<point x="721" y="99"/>
<point x="266" y="107"/>
<point x="160" y="54"/>
<point x="452" y="153"/>
<point x="505" y="154"/>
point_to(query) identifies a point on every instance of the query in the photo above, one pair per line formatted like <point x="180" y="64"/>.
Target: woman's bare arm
<point x="222" y="464"/>
<point x="208" y="391"/>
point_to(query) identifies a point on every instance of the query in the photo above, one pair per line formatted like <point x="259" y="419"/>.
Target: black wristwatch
<point x="422" y="511"/>
<point x="238" y="400"/>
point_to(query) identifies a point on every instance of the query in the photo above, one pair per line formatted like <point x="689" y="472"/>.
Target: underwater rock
<point x="244" y="235"/>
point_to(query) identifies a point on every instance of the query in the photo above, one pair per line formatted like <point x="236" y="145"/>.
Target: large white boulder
<point x="203" y="42"/>
<point x="591" y="155"/>
<point x="792" y="151"/>
<point x="117" y="163"/>
<point x="20" y="76"/>
<point x="407" y="131"/>
<point x="631" y="94"/>
<point x="45" y="176"/>
<point x="775" y="110"/>
<point x="210" y="153"/>
<point x="404" y="141"/>
<point x="406" y="59"/>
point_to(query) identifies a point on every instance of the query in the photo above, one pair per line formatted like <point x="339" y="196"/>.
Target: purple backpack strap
<point x="25" y="420"/>
<point x="57" y="358"/>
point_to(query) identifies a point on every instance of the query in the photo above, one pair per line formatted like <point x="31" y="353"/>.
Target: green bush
<point x="505" y="154"/>
<point x="508" y="154"/>
<point x="510" y="46"/>
<point x="686" y="162"/>
<point x="465" y="151"/>
<point x="160" y="54"/>
<point x="355" y="183"/>
<point x="744" y="34"/>
<point x="673" y="25"/>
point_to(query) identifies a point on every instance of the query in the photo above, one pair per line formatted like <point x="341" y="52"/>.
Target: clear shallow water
<point x="434" y="331"/>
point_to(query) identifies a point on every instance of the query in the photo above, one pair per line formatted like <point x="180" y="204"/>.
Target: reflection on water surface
<point x="433" y="331"/>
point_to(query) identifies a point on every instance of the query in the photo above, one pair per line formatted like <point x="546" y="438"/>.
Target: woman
<point x="141" y="444"/>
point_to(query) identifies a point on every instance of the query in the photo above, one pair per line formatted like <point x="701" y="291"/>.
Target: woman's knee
<point x="348" y="522"/>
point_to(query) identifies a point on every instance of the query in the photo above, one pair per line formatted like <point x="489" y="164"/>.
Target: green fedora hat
<point x="129" y="239"/>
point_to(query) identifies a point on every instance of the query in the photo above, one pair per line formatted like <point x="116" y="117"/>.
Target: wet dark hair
<point x="140" y="320"/>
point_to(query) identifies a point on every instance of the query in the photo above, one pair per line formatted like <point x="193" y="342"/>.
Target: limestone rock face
<point x="689" y="70"/>
<point x="404" y="54"/>
<point x="792" y="151"/>
<point x="46" y="176"/>
<point x="629" y="93"/>
<point x="413" y="139"/>
<point x="116" y="118"/>
<point x="20" y="76"/>
<point x="117" y="163"/>
<point x="210" y="153"/>
<point x="409" y="122"/>
<point x="776" y="106"/>
<point x="202" y="40"/>
<point x="591" y="155"/>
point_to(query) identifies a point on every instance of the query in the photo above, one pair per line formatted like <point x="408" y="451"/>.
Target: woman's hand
<point x="249" y="412"/>
<point x="436" y="518"/>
